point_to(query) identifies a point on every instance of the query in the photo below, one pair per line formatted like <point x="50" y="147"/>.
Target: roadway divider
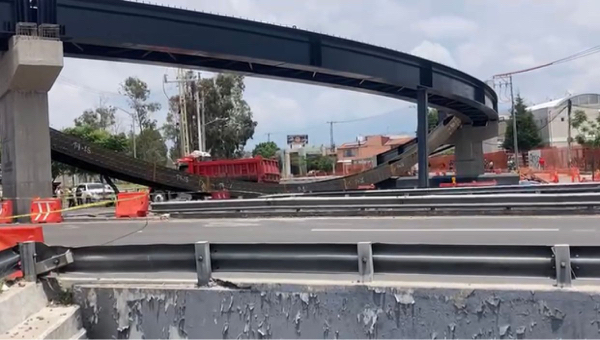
<point x="132" y="204"/>
<point x="386" y="205"/>
<point x="46" y="210"/>
<point x="559" y="262"/>
<point x="503" y="189"/>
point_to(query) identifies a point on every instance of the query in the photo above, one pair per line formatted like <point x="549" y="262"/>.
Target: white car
<point x="93" y="192"/>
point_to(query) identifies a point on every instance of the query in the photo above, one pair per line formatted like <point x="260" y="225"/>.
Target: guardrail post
<point x="203" y="265"/>
<point x="27" y="253"/>
<point x="365" y="261"/>
<point x="562" y="262"/>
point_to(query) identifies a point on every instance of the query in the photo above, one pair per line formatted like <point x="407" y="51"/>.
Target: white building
<point x="551" y="117"/>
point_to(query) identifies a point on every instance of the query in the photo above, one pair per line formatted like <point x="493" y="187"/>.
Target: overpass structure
<point x="35" y="36"/>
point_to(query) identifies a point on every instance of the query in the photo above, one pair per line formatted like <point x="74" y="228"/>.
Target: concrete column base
<point x="468" y="154"/>
<point x="27" y="72"/>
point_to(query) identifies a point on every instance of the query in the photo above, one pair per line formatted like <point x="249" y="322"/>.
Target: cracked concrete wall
<point x="294" y="311"/>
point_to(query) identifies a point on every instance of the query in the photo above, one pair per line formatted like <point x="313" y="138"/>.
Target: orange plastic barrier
<point x="46" y="210"/>
<point x="11" y="236"/>
<point x="6" y="211"/>
<point x="132" y="204"/>
<point x="220" y="195"/>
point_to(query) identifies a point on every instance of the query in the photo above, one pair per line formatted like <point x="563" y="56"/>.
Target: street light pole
<point x="514" y="124"/>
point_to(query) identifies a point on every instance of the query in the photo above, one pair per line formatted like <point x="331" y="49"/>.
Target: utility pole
<point x="514" y="123"/>
<point x="331" y="142"/>
<point x="569" y="108"/>
<point x="185" y="85"/>
<point x="506" y="81"/>
<point x="202" y="121"/>
<point x="268" y="136"/>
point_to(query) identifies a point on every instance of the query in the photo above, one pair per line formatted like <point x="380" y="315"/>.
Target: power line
<point x="578" y="55"/>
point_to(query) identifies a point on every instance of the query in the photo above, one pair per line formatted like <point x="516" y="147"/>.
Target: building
<point x="552" y="120"/>
<point x="360" y="155"/>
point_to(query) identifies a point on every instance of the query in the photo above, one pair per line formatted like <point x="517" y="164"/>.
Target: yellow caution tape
<point x="82" y="206"/>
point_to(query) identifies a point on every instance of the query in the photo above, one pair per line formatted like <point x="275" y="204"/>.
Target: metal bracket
<point x="365" y="261"/>
<point x="27" y="252"/>
<point x="203" y="263"/>
<point x="562" y="261"/>
<point x="54" y="262"/>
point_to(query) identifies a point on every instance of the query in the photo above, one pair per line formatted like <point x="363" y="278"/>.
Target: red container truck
<point x="255" y="169"/>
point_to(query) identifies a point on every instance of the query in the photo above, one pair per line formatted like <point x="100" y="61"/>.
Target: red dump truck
<point x="255" y="169"/>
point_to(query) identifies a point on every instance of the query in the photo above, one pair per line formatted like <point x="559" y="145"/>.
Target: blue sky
<point x="480" y="37"/>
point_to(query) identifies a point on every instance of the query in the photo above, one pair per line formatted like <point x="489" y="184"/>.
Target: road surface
<point x="517" y="230"/>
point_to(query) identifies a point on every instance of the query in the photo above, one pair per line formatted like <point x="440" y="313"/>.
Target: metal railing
<point x="506" y="189"/>
<point x="556" y="203"/>
<point x="559" y="262"/>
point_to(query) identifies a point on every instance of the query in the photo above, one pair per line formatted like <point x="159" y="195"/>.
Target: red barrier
<point x="11" y="236"/>
<point x="6" y="212"/>
<point x="132" y="204"/>
<point x="220" y="195"/>
<point x="46" y="210"/>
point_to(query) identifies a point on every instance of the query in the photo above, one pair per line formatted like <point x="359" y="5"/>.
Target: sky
<point x="480" y="37"/>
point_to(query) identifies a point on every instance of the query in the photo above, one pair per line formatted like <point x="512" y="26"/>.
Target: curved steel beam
<point x="128" y="31"/>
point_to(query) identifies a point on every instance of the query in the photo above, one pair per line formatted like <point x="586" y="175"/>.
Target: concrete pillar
<point x="468" y="142"/>
<point x="287" y="164"/>
<point x="27" y="72"/>
<point x="423" y="155"/>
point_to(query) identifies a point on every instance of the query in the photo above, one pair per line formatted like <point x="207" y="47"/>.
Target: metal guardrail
<point x="559" y="262"/>
<point x="386" y="204"/>
<point x="507" y="189"/>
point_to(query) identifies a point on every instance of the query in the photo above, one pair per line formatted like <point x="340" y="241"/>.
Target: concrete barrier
<point x="353" y="311"/>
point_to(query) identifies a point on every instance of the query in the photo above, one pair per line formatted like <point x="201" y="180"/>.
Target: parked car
<point x="93" y="192"/>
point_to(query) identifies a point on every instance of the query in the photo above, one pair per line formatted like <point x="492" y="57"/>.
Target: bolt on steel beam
<point x="365" y="261"/>
<point x="27" y="252"/>
<point x="562" y="260"/>
<point x="203" y="263"/>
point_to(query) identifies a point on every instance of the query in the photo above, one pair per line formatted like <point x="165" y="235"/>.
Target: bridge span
<point x="143" y="33"/>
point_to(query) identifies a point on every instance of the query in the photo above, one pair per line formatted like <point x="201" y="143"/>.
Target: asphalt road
<point x="518" y="230"/>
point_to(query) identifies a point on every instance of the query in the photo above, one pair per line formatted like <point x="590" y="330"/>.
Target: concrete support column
<point x="287" y="164"/>
<point x="468" y="142"/>
<point x="27" y="72"/>
<point x="423" y="155"/>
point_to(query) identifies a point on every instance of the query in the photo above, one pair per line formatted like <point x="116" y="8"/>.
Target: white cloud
<point x="446" y="27"/>
<point x="435" y="52"/>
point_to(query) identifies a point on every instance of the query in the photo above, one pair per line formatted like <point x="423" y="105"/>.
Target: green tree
<point x="151" y="146"/>
<point x="528" y="134"/>
<point x="432" y="119"/>
<point x="228" y="117"/>
<point x="265" y="149"/>
<point x="170" y="129"/>
<point x="138" y="95"/>
<point x="321" y="163"/>
<point x="588" y="131"/>
<point x="102" y="118"/>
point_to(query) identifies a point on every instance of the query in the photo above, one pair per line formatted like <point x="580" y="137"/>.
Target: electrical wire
<point x="578" y="55"/>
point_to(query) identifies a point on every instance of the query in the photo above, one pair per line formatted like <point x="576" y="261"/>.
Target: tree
<point x="228" y="118"/>
<point x="151" y="147"/>
<point x="266" y="150"/>
<point x="321" y="163"/>
<point x="432" y="119"/>
<point x="588" y="131"/>
<point x="528" y="134"/>
<point x="138" y="94"/>
<point x="170" y="129"/>
<point x="101" y="118"/>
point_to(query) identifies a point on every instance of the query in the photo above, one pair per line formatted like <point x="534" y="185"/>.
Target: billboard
<point x="297" y="139"/>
